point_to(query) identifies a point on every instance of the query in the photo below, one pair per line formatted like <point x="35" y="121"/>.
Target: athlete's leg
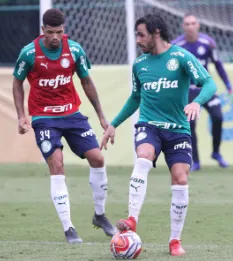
<point x="193" y="92"/>
<point x="196" y="161"/>
<point x="178" y="155"/>
<point x="83" y="143"/>
<point x="49" y="141"/>
<point x="214" y="109"/>
<point x="147" y="145"/>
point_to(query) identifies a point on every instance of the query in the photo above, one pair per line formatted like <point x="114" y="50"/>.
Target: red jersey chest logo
<point x="54" y="73"/>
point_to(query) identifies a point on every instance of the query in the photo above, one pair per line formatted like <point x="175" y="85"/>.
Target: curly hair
<point x="153" y="22"/>
<point x="53" y="17"/>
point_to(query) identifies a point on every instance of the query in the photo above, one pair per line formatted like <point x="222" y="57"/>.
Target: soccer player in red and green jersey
<point x="49" y="63"/>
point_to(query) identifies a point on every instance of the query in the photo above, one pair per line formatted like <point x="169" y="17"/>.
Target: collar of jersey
<point x="163" y="53"/>
<point x="46" y="51"/>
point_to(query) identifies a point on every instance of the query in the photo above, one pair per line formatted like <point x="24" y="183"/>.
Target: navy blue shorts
<point x="74" y="128"/>
<point x="176" y="147"/>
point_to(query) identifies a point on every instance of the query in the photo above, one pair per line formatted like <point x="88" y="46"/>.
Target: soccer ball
<point x="126" y="245"/>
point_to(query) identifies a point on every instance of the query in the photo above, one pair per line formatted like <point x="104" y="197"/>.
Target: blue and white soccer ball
<point x="126" y="245"/>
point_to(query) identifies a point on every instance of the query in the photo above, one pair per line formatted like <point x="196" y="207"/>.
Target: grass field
<point x="31" y="230"/>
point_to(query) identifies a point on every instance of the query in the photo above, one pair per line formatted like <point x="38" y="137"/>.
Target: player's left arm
<point x="219" y="66"/>
<point x="82" y="66"/>
<point x="201" y="78"/>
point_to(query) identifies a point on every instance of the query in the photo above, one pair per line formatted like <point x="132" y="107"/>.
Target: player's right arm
<point x="131" y="105"/>
<point x="22" y="68"/>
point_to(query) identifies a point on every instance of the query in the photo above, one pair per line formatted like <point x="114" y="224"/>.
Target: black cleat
<point x="101" y="221"/>
<point x="72" y="236"/>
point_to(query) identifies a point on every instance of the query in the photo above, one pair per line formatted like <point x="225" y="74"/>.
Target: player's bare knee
<point x="146" y="151"/>
<point x="55" y="163"/>
<point x="179" y="173"/>
<point x="145" y="155"/>
<point x="179" y="178"/>
<point x="95" y="158"/>
<point x="56" y="166"/>
<point x="97" y="162"/>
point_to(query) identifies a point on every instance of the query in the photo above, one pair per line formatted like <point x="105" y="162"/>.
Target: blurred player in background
<point x="161" y="78"/>
<point x="49" y="63"/>
<point x="204" y="48"/>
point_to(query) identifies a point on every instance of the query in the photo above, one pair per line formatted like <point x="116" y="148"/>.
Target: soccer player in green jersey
<point x="161" y="79"/>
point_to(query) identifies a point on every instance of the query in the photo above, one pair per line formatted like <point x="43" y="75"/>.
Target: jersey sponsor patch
<point x="65" y="63"/>
<point x="88" y="133"/>
<point x="183" y="145"/>
<point x="21" y="67"/>
<point x="162" y="83"/>
<point x="31" y="51"/>
<point x="58" y="81"/>
<point x="46" y="146"/>
<point x="140" y="59"/>
<point x="74" y="48"/>
<point x="179" y="53"/>
<point x="173" y="64"/>
<point x="58" y="108"/>
<point x="193" y="70"/>
<point x="83" y="62"/>
<point x="201" y="50"/>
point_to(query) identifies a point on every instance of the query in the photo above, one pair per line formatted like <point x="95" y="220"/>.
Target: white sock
<point x="179" y="207"/>
<point x="138" y="186"/>
<point x="60" y="197"/>
<point x="99" y="184"/>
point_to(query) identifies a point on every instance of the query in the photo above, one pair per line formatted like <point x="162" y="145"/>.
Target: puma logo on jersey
<point x="161" y="83"/>
<point x="45" y="65"/>
<point x="58" y="81"/>
<point x="145" y="69"/>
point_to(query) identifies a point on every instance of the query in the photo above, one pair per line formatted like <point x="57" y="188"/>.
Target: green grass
<point x="31" y="230"/>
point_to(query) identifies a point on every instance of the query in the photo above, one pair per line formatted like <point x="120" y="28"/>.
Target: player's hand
<point x="192" y="111"/>
<point x="230" y="96"/>
<point x="104" y="123"/>
<point x="23" y="125"/>
<point x="109" y="134"/>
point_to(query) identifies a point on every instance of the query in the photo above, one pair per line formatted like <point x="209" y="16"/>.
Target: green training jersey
<point x="162" y="82"/>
